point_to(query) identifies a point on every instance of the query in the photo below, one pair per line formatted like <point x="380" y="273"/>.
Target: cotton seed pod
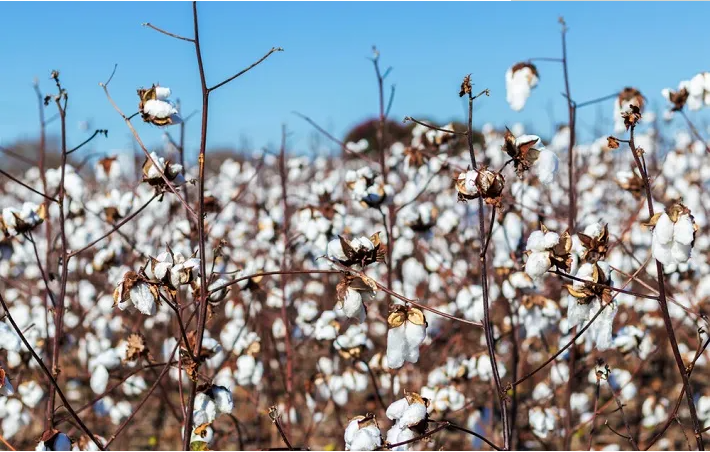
<point x="483" y="182"/>
<point x="598" y="287"/>
<point x="415" y="316"/>
<point x="523" y="153"/>
<point x="154" y="108"/>
<point x="595" y="247"/>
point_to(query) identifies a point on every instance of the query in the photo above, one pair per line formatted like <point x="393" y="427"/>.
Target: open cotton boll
<point x="334" y="250"/>
<point x="536" y="241"/>
<point x="223" y="399"/>
<point x="683" y="230"/>
<point x="162" y="92"/>
<point x="205" y="411"/>
<point x="551" y="239"/>
<point x="519" y="82"/>
<point x="546" y="166"/>
<point x="397" y="435"/>
<point x="396" y="409"/>
<point x="413" y="414"/>
<point x="99" y="380"/>
<point x="159" y="109"/>
<point x="415" y="335"/>
<point x="352" y="304"/>
<point x="664" y="229"/>
<point x="365" y="436"/>
<point x="396" y="347"/>
<point x="538" y="264"/>
<point x="143" y="299"/>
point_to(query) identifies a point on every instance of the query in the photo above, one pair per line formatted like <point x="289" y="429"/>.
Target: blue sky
<point x="324" y="72"/>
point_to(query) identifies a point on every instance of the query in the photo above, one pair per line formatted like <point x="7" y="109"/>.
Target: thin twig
<point x="172" y="35"/>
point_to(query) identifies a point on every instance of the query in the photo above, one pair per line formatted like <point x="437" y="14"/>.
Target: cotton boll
<point x="396" y="409"/>
<point x="159" y="109"/>
<point x="680" y="252"/>
<point x="396" y="347"/>
<point x="352" y="304"/>
<point x="663" y="252"/>
<point x="663" y="230"/>
<point x="683" y="231"/>
<point x="546" y="166"/>
<point x="162" y="92"/>
<point x="99" y="380"/>
<point x="538" y="264"/>
<point x="415" y="335"/>
<point x="413" y="414"/>
<point x="536" y="241"/>
<point x="551" y="239"/>
<point x="397" y="435"/>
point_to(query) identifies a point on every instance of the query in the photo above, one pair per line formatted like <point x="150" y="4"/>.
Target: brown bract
<point x="149" y="94"/>
<point x="678" y="98"/>
<point x="465" y="86"/>
<point x="598" y="287"/>
<point x="595" y="248"/>
<point x="489" y="184"/>
<point x="560" y="254"/>
<point x="361" y="255"/>
<point x="523" y="154"/>
<point x="630" y="94"/>
<point x="632" y="116"/>
<point x="612" y="142"/>
<point x="524" y="64"/>
<point x="634" y="184"/>
<point x="136" y="348"/>
<point x="170" y="171"/>
<point x="401" y="314"/>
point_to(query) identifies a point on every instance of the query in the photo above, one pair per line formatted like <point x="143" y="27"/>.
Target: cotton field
<point x="442" y="288"/>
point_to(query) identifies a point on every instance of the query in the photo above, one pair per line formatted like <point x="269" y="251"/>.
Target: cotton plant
<point x="155" y="167"/>
<point x="588" y="294"/>
<point x="16" y="221"/>
<point x="520" y="79"/>
<point x="628" y="100"/>
<point x="407" y="331"/>
<point x="135" y="291"/>
<point x="673" y="235"/>
<point x="528" y="153"/>
<point x="363" y="433"/>
<point x="410" y="417"/>
<point x="543" y="421"/>
<point x="547" y="249"/>
<point x="156" y="108"/>
<point x="367" y="188"/>
<point x="212" y="403"/>
<point x="693" y="93"/>
<point x="351" y="294"/>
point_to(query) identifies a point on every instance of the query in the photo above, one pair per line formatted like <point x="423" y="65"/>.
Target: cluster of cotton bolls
<point x="342" y="343"/>
<point x="695" y="93"/>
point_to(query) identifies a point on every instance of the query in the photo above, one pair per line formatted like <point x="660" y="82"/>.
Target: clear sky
<point x="324" y="72"/>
